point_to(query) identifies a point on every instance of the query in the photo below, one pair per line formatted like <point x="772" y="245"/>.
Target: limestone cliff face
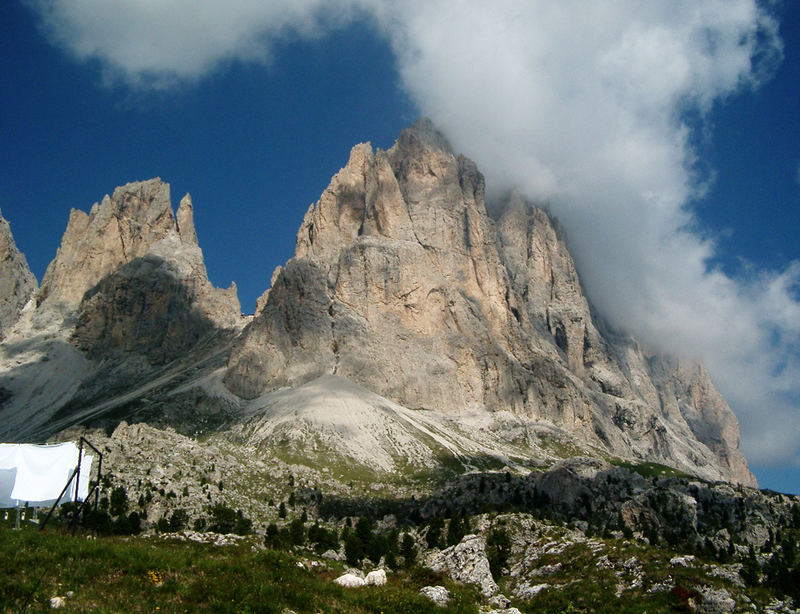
<point x="659" y="403"/>
<point x="402" y="283"/>
<point x="17" y="283"/>
<point x="133" y="273"/>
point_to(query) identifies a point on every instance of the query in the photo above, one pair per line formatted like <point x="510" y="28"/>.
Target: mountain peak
<point x="403" y="284"/>
<point x="17" y="283"/>
<point x="421" y="134"/>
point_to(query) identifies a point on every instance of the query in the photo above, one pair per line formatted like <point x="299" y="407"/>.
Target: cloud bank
<point x="590" y="107"/>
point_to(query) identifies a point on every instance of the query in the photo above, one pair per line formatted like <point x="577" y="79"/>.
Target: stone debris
<point x="604" y="562"/>
<point x="776" y="606"/>
<point x="726" y="572"/>
<point x="333" y="555"/>
<point x="660" y="587"/>
<point x="500" y="602"/>
<point x="524" y="590"/>
<point x="57" y="602"/>
<point x="546" y="570"/>
<point x="217" y="539"/>
<point x="716" y="601"/>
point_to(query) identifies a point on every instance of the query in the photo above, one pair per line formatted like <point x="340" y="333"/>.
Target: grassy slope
<point x="114" y="574"/>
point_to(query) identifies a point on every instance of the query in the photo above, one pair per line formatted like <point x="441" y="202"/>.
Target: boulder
<point x="376" y="578"/>
<point x="439" y="595"/>
<point x="466" y="562"/>
<point x="349" y="580"/>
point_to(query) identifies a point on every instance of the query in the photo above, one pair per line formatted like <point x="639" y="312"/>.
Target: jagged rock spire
<point x="17" y="283"/>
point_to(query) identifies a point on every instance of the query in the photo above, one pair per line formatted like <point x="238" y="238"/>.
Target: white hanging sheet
<point x="36" y="474"/>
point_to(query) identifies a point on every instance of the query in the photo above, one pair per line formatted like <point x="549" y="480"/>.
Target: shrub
<point x="226" y="520"/>
<point x="408" y="550"/>
<point x="297" y="532"/>
<point x="498" y="549"/>
<point x="434" y="535"/>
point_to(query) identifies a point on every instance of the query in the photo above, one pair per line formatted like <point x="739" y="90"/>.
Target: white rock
<point x="500" y="601"/>
<point x="437" y="594"/>
<point x="717" y="601"/>
<point x="332" y="554"/>
<point x="349" y="580"/>
<point x="57" y="602"/>
<point x="376" y="578"/>
<point x="526" y="591"/>
<point x="683" y="561"/>
<point x="466" y="562"/>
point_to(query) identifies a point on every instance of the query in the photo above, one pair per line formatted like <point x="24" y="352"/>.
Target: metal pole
<point x="52" y="509"/>
<point x="99" y="475"/>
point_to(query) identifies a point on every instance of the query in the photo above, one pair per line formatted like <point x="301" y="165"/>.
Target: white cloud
<point x="154" y="44"/>
<point x="578" y="103"/>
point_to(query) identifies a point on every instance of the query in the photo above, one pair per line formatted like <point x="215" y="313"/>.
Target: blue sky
<point x="665" y="138"/>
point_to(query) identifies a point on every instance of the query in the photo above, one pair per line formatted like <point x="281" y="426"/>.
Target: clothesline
<point x="36" y="474"/>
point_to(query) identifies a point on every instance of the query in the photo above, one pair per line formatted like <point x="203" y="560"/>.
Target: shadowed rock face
<point x="134" y="225"/>
<point x="142" y="307"/>
<point x="17" y="283"/>
<point x="402" y="283"/>
<point x="126" y="295"/>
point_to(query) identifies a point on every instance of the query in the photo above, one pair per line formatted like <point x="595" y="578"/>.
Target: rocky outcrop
<point x="403" y="283"/>
<point x="17" y="283"/>
<point x="466" y="562"/>
<point x="397" y="284"/>
<point x="649" y="392"/>
<point x="134" y="274"/>
<point x="115" y="231"/>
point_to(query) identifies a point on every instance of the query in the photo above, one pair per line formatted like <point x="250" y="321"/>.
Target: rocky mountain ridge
<point x="402" y="285"/>
<point x="120" y="310"/>
<point x="17" y="283"/>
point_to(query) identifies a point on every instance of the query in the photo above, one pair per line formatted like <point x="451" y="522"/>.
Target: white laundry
<point x="36" y="474"/>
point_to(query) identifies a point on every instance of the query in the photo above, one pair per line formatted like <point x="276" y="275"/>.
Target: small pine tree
<point x="408" y="550"/>
<point x="297" y="532"/>
<point x="434" y="535"/>
<point x="119" y="501"/>
<point x="498" y="549"/>
<point x="455" y="530"/>
<point x="353" y="549"/>
<point x="282" y="510"/>
<point x="271" y="536"/>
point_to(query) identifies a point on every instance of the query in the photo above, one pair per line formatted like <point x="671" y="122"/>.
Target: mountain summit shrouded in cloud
<point x="594" y="108"/>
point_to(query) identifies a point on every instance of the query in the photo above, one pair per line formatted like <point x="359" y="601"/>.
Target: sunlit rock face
<point x="403" y="283"/>
<point x="134" y="225"/>
<point x="17" y="283"/>
<point x="403" y="287"/>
